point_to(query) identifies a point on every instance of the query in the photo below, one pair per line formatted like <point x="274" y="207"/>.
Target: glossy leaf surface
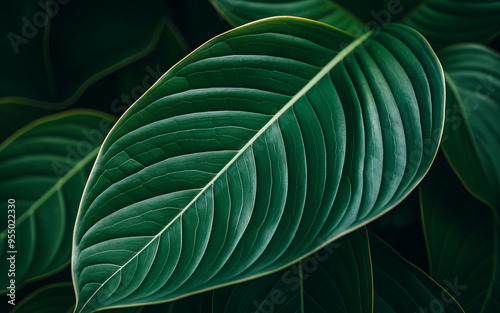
<point x="472" y="135"/>
<point x="44" y="168"/>
<point x="463" y="240"/>
<point x="442" y="22"/>
<point x="259" y="148"/>
<point x="401" y="287"/>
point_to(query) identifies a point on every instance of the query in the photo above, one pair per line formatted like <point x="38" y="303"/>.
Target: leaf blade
<point x="259" y="229"/>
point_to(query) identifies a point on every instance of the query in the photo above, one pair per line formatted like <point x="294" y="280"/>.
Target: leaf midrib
<point x="324" y="71"/>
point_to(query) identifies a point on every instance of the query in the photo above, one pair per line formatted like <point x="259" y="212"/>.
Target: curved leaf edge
<point x="159" y="81"/>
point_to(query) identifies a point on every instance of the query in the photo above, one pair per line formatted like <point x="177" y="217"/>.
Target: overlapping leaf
<point x="472" y="135"/>
<point x="442" y="22"/>
<point x="44" y="168"/>
<point x="401" y="287"/>
<point x="260" y="147"/>
<point x="463" y="240"/>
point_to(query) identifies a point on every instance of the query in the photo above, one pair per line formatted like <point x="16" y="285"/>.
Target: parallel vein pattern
<point x="44" y="169"/>
<point x="261" y="146"/>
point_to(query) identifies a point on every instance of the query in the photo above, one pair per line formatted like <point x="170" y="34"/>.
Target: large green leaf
<point x="44" y="168"/>
<point x="56" y="298"/>
<point x="400" y="287"/>
<point x="45" y="69"/>
<point x="442" y="22"/>
<point x="463" y="240"/>
<point x="262" y="146"/>
<point x="471" y="140"/>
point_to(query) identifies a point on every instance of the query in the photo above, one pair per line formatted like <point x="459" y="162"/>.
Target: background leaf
<point x="239" y="12"/>
<point x="401" y="287"/>
<point x="338" y="277"/>
<point x="445" y="22"/>
<point x="442" y="22"/>
<point x="53" y="65"/>
<point x="401" y="228"/>
<point x="472" y="137"/>
<point x="44" y="168"/>
<point x="57" y="298"/>
<point x="463" y="239"/>
<point x="237" y="160"/>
